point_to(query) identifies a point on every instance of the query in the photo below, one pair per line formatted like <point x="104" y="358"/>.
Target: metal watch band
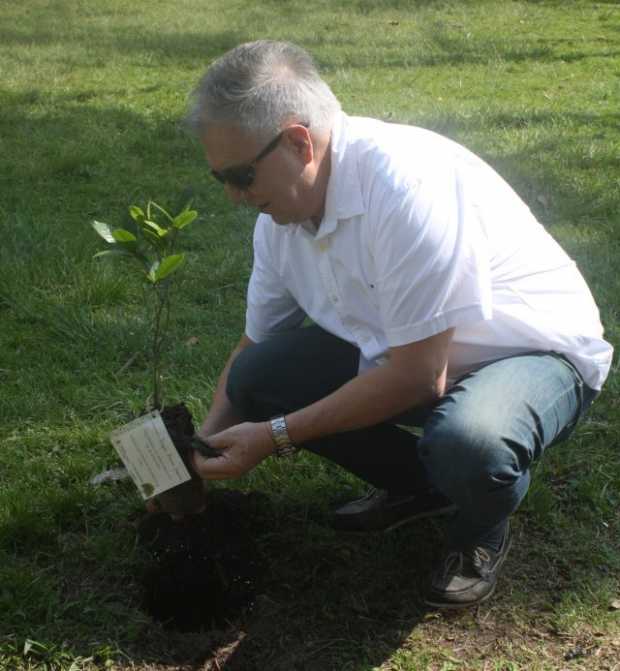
<point x="279" y="433"/>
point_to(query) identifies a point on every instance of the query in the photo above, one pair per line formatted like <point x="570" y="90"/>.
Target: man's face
<point x="283" y="178"/>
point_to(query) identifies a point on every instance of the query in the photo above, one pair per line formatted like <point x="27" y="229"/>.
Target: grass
<point x="90" y="100"/>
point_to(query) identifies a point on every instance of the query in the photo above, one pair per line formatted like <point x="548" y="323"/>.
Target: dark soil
<point x="187" y="497"/>
<point x="204" y="569"/>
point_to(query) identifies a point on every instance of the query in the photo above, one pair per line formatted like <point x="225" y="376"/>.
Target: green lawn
<point x="91" y="96"/>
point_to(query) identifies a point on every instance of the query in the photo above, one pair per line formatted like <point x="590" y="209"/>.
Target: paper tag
<point x="149" y="455"/>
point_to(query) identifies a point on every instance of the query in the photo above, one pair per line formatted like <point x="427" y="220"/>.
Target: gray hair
<point x="261" y="86"/>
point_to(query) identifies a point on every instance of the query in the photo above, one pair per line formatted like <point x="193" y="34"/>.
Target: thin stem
<point x="161" y="321"/>
<point x="160" y="307"/>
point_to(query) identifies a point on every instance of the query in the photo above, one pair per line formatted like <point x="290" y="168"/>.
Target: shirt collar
<point x="344" y="194"/>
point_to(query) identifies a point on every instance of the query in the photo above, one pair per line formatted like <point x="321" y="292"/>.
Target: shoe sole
<point x="459" y="606"/>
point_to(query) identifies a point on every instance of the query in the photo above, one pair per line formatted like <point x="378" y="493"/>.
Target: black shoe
<point x="381" y="511"/>
<point x="467" y="578"/>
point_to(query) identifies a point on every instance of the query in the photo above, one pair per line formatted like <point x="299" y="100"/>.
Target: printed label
<point x="149" y="455"/>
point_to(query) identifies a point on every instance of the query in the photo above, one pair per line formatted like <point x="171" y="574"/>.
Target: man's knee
<point x="465" y="457"/>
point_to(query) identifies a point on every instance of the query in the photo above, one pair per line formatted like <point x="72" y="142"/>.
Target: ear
<point x="300" y="142"/>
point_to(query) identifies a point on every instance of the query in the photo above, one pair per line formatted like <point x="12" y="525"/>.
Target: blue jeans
<point x="477" y="444"/>
<point x="481" y="439"/>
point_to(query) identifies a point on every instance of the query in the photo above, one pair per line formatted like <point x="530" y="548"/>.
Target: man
<point x="436" y="298"/>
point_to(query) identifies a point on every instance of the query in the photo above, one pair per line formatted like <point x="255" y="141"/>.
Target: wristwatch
<point x="282" y="441"/>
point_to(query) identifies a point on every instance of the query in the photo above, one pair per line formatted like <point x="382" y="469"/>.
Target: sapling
<point x="152" y="249"/>
<point x="202" y="572"/>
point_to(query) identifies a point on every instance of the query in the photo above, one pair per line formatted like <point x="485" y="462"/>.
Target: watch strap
<point x="279" y="432"/>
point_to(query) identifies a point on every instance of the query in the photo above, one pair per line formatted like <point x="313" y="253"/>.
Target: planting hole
<point x="203" y="570"/>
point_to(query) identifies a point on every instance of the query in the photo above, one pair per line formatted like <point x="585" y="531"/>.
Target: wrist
<point x="282" y="444"/>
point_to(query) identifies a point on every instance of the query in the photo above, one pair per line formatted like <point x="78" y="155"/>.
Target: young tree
<point x="153" y="248"/>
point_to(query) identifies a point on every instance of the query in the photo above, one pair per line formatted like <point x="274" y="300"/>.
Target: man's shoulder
<point x="395" y="151"/>
<point x="390" y="136"/>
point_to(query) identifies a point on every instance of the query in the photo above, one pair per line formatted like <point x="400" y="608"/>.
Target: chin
<point x="282" y="221"/>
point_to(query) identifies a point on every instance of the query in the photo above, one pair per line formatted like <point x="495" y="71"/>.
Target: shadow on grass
<point x="324" y="601"/>
<point x="442" y="44"/>
<point x="195" y="49"/>
<point x="332" y="601"/>
<point x="327" y="601"/>
<point x="80" y="150"/>
<point x="88" y="155"/>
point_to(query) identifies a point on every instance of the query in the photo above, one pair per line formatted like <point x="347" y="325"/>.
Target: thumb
<point x="205" y="447"/>
<point x="216" y="443"/>
<point x="206" y="459"/>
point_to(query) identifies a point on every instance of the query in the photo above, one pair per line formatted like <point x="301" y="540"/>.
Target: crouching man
<point x="436" y="300"/>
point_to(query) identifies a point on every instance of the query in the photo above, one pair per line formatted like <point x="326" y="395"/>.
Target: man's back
<point x="420" y="235"/>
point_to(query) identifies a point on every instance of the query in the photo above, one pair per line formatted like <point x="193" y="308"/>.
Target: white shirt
<point x="419" y="235"/>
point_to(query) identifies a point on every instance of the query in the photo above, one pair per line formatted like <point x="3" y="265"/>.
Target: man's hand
<point x="243" y="447"/>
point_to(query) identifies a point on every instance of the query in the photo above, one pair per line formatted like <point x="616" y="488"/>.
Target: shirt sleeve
<point x="270" y="306"/>
<point x="431" y="256"/>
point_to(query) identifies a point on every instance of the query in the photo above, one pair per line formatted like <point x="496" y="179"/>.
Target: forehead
<point x="228" y="145"/>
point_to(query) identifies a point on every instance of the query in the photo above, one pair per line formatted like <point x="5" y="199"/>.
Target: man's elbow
<point x="433" y="394"/>
<point x="433" y="389"/>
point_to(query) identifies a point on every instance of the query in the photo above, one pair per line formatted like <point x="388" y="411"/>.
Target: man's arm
<point x="415" y="375"/>
<point x="222" y="415"/>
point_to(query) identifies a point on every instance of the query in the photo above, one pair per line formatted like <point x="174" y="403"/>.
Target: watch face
<point x="280" y="434"/>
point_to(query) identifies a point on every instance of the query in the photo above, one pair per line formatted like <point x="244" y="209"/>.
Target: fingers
<point x="237" y="450"/>
<point x="216" y="468"/>
<point x="203" y="458"/>
<point x="204" y="447"/>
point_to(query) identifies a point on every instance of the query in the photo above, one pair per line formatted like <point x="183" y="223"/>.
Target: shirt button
<point x="323" y="245"/>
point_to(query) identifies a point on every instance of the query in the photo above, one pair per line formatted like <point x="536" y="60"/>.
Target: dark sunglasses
<point x="242" y="176"/>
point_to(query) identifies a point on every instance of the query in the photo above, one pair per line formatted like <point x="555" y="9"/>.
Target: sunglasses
<point x="242" y="176"/>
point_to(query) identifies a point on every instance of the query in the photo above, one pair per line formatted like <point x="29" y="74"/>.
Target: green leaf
<point x="104" y="231"/>
<point x="152" y="238"/>
<point x="33" y="646"/>
<point x="162" y="210"/>
<point x="151" y="276"/>
<point x="136" y="213"/>
<point x="114" y="252"/>
<point x="148" y="224"/>
<point x="184" y="219"/>
<point x="122" y="235"/>
<point x="128" y="253"/>
<point x="168" y="265"/>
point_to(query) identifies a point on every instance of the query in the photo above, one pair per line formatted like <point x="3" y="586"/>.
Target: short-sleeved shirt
<point x="419" y="235"/>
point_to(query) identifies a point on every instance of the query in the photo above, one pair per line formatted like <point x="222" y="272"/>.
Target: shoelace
<point x="371" y="493"/>
<point x="454" y="562"/>
<point x="480" y="560"/>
